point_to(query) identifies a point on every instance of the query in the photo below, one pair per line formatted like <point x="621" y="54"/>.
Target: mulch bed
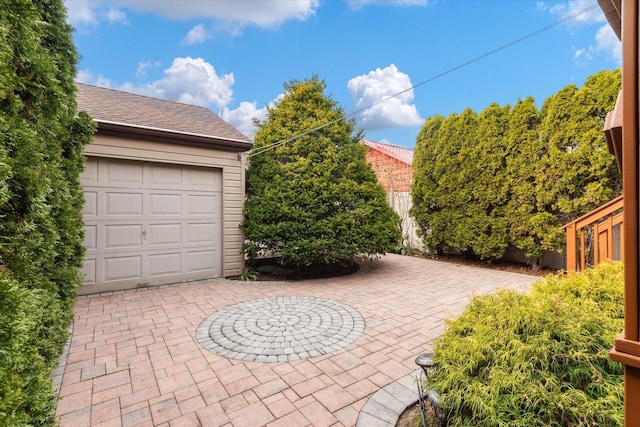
<point x="495" y="265"/>
<point x="270" y="269"/>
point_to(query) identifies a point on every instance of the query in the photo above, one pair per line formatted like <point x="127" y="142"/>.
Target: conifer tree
<point x="457" y="171"/>
<point x="576" y="159"/>
<point x="441" y="201"/>
<point x="424" y="188"/>
<point x="514" y="176"/>
<point x="313" y="199"/>
<point x="40" y="203"/>
<point x="488" y="184"/>
<point x="532" y="227"/>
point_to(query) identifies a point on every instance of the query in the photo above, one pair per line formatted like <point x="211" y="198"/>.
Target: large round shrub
<point x="537" y="359"/>
<point x="311" y="196"/>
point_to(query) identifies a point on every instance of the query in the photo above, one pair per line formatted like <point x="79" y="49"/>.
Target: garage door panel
<point x="163" y="264"/>
<point x="126" y="267"/>
<point x="203" y="179"/>
<point x="165" y="204"/>
<point x="89" y="271"/>
<point x="200" y="260"/>
<point x="164" y="230"/>
<point x="164" y="234"/>
<point x="90" y="173"/>
<point x="119" y="204"/>
<point x="123" y="172"/>
<point x="164" y="175"/>
<point x="202" y="205"/>
<point x="202" y="233"/>
<point x="90" y="237"/>
<point x="123" y="236"/>
<point x="90" y="203"/>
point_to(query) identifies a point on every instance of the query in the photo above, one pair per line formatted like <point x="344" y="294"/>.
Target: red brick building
<point x="392" y="164"/>
<point x="393" y="167"/>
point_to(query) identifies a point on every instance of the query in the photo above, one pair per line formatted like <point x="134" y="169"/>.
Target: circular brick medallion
<point x="280" y="328"/>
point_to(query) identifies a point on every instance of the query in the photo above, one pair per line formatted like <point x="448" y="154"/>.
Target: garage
<point x="150" y="223"/>
<point x="163" y="201"/>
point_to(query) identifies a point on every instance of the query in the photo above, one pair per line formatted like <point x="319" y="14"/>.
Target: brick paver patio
<point x="134" y="359"/>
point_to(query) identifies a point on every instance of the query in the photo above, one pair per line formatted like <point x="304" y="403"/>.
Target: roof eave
<point x="612" y="10"/>
<point x="169" y="136"/>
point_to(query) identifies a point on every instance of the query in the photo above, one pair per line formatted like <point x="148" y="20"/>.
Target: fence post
<point x="571" y="247"/>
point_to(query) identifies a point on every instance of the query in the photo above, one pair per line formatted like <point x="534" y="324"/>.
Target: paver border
<point x="384" y="407"/>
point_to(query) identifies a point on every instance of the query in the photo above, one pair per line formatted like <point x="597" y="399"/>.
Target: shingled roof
<point x="122" y="112"/>
<point x="403" y="154"/>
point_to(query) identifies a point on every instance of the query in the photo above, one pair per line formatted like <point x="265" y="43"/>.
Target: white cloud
<point x="242" y="117"/>
<point x="116" y="16"/>
<point x="542" y="6"/>
<point x="192" y="81"/>
<point x="359" y="4"/>
<point x="263" y="13"/>
<point x="81" y="12"/>
<point x="573" y="7"/>
<point x="375" y="88"/>
<point x="197" y="34"/>
<point x="188" y="80"/>
<point x="86" y="76"/>
<point x="583" y="56"/>
<point x="87" y="13"/>
<point x="607" y="42"/>
<point x="143" y="66"/>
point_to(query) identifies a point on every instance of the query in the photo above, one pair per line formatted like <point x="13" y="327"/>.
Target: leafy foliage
<point x="538" y="359"/>
<point x="314" y="198"/>
<point x="40" y="202"/>
<point x="26" y="393"/>
<point x="512" y="176"/>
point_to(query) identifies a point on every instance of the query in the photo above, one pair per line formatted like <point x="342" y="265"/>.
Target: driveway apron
<point x="230" y="353"/>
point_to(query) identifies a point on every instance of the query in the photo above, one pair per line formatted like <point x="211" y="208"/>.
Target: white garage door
<point x="150" y="223"/>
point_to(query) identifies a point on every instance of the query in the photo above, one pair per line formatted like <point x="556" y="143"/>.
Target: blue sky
<point x="234" y="56"/>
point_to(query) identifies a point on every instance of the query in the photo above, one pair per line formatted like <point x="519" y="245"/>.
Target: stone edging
<point x="58" y="372"/>
<point x="384" y="407"/>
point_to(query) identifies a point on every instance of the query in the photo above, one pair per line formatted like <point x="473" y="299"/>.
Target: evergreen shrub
<point x="311" y="197"/>
<point x="536" y="359"/>
<point x="26" y="393"/>
<point x="41" y="229"/>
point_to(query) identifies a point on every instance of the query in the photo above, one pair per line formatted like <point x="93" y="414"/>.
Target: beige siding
<point x="232" y="187"/>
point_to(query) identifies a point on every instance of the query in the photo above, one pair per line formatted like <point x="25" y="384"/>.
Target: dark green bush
<point x="537" y="359"/>
<point x="485" y="181"/>
<point x="313" y="198"/>
<point x="41" y="141"/>
<point x="26" y="392"/>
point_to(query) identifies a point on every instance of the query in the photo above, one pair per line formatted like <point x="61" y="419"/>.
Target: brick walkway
<point x="134" y="359"/>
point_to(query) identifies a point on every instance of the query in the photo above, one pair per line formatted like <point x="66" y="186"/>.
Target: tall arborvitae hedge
<point x="513" y="176"/>
<point x="41" y="200"/>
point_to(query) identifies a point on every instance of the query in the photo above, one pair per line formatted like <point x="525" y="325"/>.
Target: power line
<point x="429" y="80"/>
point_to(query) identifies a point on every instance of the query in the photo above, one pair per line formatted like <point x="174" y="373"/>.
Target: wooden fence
<point x="596" y="236"/>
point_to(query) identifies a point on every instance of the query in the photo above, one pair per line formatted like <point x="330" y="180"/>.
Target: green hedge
<point x="26" y="392"/>
<point x="537" y="359"/>
<point x="484" y="181"/>
<point x="41" y="230"/>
